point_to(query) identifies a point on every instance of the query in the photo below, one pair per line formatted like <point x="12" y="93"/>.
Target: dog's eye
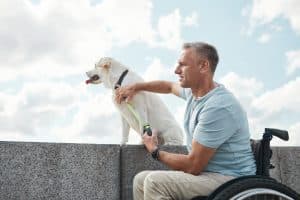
<point x="95" y="77"/>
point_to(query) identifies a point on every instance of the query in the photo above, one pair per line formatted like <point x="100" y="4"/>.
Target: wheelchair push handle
<point x="282" y="134"/>
<point x="147" y="129"/>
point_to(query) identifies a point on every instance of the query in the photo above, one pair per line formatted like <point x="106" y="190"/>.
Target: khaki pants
<point x="165" y="185"/>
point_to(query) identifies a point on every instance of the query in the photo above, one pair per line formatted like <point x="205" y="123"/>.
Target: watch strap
<point x="155" y="154"/>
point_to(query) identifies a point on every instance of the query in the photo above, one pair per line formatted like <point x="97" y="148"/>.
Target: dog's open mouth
<point x="93" y="78"/>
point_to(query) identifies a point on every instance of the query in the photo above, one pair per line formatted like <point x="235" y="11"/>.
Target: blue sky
<point x="47" y="45"/>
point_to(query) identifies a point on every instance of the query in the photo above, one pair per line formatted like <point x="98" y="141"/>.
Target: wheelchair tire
<point x="261" y="186"/>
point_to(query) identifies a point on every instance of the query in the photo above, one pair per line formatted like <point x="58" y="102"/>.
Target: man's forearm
<point x="154" y="86"/>
<point x="180" y="162"/>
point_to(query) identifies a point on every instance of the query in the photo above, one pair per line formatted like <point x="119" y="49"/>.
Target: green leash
<point x="146" y="126"/>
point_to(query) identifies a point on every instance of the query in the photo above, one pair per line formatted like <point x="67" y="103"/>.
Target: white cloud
<point x="157" y="71"/>
<point x="191" y="20"/>
<point x="169" y="30"/>
<point x="264" y="38"/>
<point x="127" y="21"/>
<point x="51" y="38"/>
<point x="277" y="108"/>
<point x="245" y="11"/>
<point x="95" y="120"/>
<point x="293" y="59"/>
<point x="276" y="27"/>
<point x="35" y="108"/>
<point x="59" y="112"/>
<point x="49" y="35"/>
<point x="246" y="89"/>
<point x="280" y="99"/>
<point x="266" y="11"/>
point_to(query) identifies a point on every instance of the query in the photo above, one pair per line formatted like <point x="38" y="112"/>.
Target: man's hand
<point x="150" y="142"/>
<point x="125" y="93"/>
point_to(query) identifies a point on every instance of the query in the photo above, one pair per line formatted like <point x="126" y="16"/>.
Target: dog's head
<point x="96" y="75"/>
<point x="107" y="71"/>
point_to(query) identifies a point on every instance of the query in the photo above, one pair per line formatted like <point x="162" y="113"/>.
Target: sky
<point x="46" y="46"/>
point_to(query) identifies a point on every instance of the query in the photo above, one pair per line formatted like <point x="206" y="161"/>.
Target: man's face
<point x="188" y="68"/>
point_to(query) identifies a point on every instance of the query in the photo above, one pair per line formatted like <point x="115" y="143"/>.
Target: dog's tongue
<point x="88" y="81"/>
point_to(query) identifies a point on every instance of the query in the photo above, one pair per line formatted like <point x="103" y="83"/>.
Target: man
<point x="216" y="129"/>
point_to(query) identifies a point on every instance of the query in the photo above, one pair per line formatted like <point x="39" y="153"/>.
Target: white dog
<point x="147" y="105"/>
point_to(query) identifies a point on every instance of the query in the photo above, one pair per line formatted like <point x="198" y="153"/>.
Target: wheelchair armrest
<point x="282" y="134"/>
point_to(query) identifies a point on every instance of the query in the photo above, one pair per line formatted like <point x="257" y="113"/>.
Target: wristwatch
<point x="155" y="154"/>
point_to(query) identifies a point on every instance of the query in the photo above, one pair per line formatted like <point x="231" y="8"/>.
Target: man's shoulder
<point x="223" y="100"/>
<point x="222" y="97"/>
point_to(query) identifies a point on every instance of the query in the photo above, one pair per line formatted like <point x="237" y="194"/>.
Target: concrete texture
<point x="59" y="171"/>
<point x="135" y="158"/>
<point x="289" y="166"/>
<point x="275" y="173"/>
<point x="90" y="171"/>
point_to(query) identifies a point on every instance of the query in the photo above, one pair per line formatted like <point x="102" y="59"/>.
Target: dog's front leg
<point x="125" y="131"/>
<point x="143" y="114"/>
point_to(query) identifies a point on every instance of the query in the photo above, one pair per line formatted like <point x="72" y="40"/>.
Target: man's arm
<point x="158" y="87"/>
<point x="127" y="92"/>
<point x="193" y="163"/>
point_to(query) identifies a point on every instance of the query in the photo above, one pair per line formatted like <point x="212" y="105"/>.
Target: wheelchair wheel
<point x="255" y="189"/>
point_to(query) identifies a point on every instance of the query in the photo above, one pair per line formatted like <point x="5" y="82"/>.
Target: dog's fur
<point x="148" y="105"/>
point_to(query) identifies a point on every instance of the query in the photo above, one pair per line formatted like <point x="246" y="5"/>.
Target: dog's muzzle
<point x="93" y="78"/>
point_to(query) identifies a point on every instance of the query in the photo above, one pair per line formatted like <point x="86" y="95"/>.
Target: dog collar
<point x="119" y="83"/>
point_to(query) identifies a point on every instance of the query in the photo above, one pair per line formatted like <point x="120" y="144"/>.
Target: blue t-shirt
<point x="218" y="121"/>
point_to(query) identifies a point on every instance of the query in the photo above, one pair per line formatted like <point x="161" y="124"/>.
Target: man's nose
<point x="177" y="70"/>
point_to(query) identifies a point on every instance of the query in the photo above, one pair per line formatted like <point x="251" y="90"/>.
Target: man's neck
<point x="203" y="88"/>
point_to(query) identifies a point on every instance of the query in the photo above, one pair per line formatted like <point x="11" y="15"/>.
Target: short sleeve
<point x="215" y="126"/>
<point x="185" y="93"/>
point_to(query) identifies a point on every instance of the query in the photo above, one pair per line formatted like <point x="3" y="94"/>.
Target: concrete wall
<point x="287" y="166"/>
<point x="90" y="171"/>
<point x="59" y="171"/>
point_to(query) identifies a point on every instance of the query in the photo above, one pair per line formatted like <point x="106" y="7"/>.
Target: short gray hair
<point x="205" y="50"/>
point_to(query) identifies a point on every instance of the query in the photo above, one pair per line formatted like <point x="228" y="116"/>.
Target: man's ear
<point x="204" y="66"/>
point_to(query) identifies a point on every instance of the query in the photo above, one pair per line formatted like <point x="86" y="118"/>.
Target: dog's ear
<point x="106" y="65"/>
<point x="105" y="62"/>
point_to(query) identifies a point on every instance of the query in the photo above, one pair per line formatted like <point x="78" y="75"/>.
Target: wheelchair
<point x="260" y="186"/>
